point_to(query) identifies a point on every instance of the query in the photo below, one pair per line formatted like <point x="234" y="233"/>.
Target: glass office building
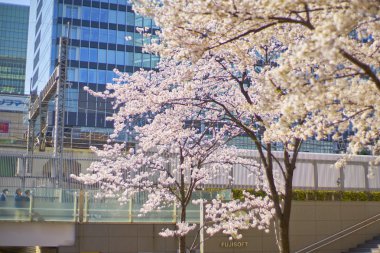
<point x="13" y="44"/>
<point x="98" y="32"/>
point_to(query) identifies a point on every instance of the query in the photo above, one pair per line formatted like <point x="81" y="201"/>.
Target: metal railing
<point x="339" y="235"/>
<point x="62" y="205"/>
<point x="313" y="171"/>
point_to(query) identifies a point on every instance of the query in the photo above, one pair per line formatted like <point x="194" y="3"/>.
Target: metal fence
<point x="313" y="171"/>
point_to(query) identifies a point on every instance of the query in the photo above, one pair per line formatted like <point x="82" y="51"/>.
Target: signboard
<point x="4" y="127"/>
<point x="234" y="244"/>
<point x="13" y="103"/>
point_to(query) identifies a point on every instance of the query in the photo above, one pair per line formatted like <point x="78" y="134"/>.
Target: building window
<point x="112" y="36"/>
<point x="103" y="15"/>
<point x="71" y="11"/>
<point x="103" y="34"/>
<point x="102" y="56"/>
<point x="36" y="59"/>
<point x="112" y="16"/>
<point x="120" y="58"/>
<point x="38" y="24"/>
<point x="73" y="53"/>
<point x="84" y="54"/>
<point x="146" y="60"/>
<point x="121" y="17"/>
<point x="93" y="54"/>
<point x="85" y="33"/>
<point x="129" y="58"/>
<point x="39" y="8"/>
<point x="86" y="13"/>
<point x="137" y="60"/>
<point x="101" y="76"/>
<point x="111" y="57"/>
<point x="94" y="34"/>
<point x="72" y="74"/>
<point x="37" y="42"/>
<point x="95" y="14"/>
<point x="83" y="75"/>
<point x="92" y="75"/>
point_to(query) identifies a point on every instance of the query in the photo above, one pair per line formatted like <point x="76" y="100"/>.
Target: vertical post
<point x="30" y="208"/>
<point x="85" y="211"/>
<point x="59" y="117"/>
<point x="130" y="210"/>
<point x="315" y="167"/>
<point x="80" y="206"/>
<point x="174" y="213"/>
<point x="366" y="179"/>
<point x="75" y="207"/>
<point x="71" y="138"/>
<point x="201" y="230"/>
<point x="342" y="179"/>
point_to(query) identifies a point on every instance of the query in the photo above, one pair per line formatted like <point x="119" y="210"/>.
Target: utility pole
<point x="59" y="117"/>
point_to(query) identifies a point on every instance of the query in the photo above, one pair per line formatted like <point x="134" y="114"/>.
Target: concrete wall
<point x="311" y="222"/>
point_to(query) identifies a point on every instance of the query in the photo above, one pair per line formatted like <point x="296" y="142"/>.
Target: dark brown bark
<point x="182" y="239"/>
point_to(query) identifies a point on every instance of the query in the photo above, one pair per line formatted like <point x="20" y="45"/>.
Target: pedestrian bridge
<point x="58" y="198"/>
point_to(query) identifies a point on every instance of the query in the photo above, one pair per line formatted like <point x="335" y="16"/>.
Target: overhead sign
<point x="13" y="103"/>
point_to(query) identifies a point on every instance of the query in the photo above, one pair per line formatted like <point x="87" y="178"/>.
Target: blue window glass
<point x="102" y="55"/>
<point x="73" y="53"/>
<point x="120" y="58"/>
<point x="92" y="75"/>
<point x="103" y="15"/>
<point x="103" y="35"/>
<point x="112" y="16"/>
<point x="155" y="60"/>
<point x="146" y="60"/>
<point x="138" y="20"/>
<point x="129" y="38"/>
<point x="85" y="33"/>
<point x="101" y="76"/>
<point x="138" y="39"/>
<point x="137" y="60"/>
<point x="94" y="34"/>
<point x="72" y="100"/>
<point x="95" y="14"/>
<point x="121" y="38"/>
<point x="129" y="58"/>
<point x="111" y="56"/>
<point x="147" y="22"/>
<point x="83" y="75"/>
<point x="72" y="74"/>
<point x="86" y="13"/>
<point x="121" y="17"/>
<point x="84" y="54"/>
<point x="71" y="11"/>
<point x="93" y="54"/>
<point x="74" y="33"/>
<point x="130" y="18"/>
<point x="112" y="36"/>
<point x="110" y="76"/>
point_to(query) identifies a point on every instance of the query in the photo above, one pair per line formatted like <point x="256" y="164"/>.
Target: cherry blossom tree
<point x="181" y="149"/>
<point x="325" y="81"/>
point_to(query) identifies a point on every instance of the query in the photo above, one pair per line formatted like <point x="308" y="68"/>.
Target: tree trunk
<point x="282" y="234"/>
<point x="182" y="239"/>
<point x="182" y="244"/>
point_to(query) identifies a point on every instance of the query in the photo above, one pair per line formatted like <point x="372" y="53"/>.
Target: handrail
<point x="339" y="235"/>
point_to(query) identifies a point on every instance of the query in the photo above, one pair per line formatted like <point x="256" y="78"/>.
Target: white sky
<point x="19" y="2"/>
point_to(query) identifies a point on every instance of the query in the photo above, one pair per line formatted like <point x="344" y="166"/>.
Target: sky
<point x="20" y="2"/>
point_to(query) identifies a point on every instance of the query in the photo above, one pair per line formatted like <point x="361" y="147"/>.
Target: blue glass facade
<point x="97" y="31"/>
<point x="13" y="44"/>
